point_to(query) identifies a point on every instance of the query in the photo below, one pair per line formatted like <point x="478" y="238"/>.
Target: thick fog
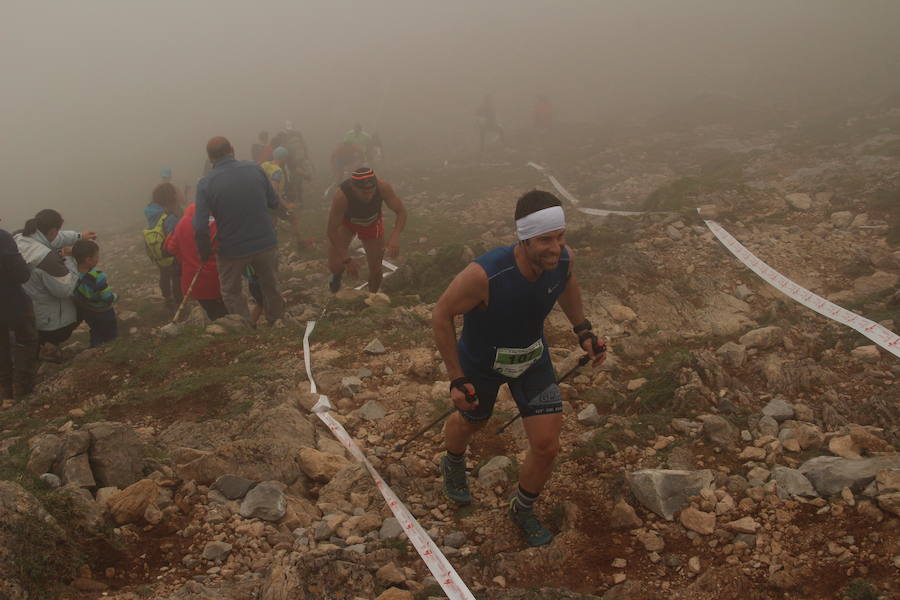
<point x="98" y="95"/>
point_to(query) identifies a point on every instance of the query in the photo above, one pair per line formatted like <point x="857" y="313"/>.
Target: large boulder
<point x="45" y="448"/>
<point x="321" y="466"/>
<point x="269" y="450"/>
<point x="266" y="501"/>
<point x="792" y="482"/>
<point x="116" y="454"/>
<point x="666" y="492"/>
<point x="129" y="505"/>
<point x="339" y="575"/>
<point x="830" y="474"/>
<point x="763" y="337"/>
<point x="719" y="430"/>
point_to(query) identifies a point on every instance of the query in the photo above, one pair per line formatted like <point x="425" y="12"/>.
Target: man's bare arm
<point x="395" y="204"/>
<point x="336" y="216"/>
<point x="467" y="290"/>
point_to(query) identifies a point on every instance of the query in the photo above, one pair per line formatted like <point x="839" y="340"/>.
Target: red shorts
<point x="375" y="231"/>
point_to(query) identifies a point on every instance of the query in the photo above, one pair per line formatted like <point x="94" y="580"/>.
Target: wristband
<point x="459" y="383"/>
<point x="583" y="326"/>
<point x="589" y="335"/>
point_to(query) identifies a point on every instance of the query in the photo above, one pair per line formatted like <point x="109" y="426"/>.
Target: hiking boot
<point x="335" y="284"/>
<point x="456" y="487"/>
<point x="535" y="533"/>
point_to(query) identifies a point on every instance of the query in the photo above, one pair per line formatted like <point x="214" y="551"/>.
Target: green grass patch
<point x="662" y="381"/>
<point x="860" y="589"/>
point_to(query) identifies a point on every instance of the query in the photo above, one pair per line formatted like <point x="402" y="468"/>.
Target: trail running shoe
<point x="335" y="284"/>
<point x="535" y="533"/>
<point x="456" y="487"/>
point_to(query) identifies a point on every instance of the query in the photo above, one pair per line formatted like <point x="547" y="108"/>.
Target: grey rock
<point x="830" y="474"/>
<point x="77" y="471"/>
<point x="216" y="551"/>
<point x="666" y="492"/>
<point x="589" y="416"/>
<point x="778" y="409"/>
<point x="351" y="385"/>
<point x="266" y="501"/>
<point x="495" y="471"/>
<point x="842" y="219"/>
<point x="719" y="430"/>
<point x="743" y="292"/>
<point x="371" y="411"/>
<point x="390" y="529"/>
<point x="51" y="480"/>
<point x="768" y="426"/>
<point x="216" y="497"/>
<point x="45" y="448"/>
<point x="455" y="539"/>
<point x="799" y="202"/>
<point x="232" y="486"/>
<point x="374" y="347"/>
<point x="792" y="482"/>
<point x="763" y="337"/>
<point x="732" y="354"/>
<point x="116" y="454"/>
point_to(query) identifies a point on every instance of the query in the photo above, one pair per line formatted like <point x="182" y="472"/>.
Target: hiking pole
<point x="581" y="362"/>
<point x="419" y="433"/>
<point x="187" y="294"/>
<point x="598" y="349"/>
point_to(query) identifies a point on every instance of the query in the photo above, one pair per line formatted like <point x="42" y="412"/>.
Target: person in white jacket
<point x="52" y="281"/>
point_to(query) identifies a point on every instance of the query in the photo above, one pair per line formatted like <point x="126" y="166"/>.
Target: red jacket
<point x="182" y="246"/>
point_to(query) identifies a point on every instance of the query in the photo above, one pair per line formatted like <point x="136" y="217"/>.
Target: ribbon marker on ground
<point x="879" y="334"/>
<point x="443" y="572"/>
<point x="390" y="267"/>
<point x="597" y="212"/>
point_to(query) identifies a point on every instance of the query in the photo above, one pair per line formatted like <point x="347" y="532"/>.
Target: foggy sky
<point x="98" y="95"/>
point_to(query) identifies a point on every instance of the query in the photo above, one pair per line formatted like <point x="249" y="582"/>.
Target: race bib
<point x="512" y="362"/>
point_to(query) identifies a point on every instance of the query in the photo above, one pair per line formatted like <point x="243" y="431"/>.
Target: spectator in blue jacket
<point x="239" y="196"/>
<point x="18" y="335"/>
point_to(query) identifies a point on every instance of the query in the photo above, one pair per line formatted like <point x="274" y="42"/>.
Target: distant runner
<point x="356" y="211"/>
<point x="505" y="295"/>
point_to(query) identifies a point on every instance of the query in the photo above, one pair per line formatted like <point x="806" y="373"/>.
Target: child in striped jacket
<point x="92" y="296"/>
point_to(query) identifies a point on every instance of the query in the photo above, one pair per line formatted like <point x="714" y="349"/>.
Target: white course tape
<point x="443" y="572"/>
<point x="391" y="268"/>
<point x="879" y="334"/>
<point x="597" y="212"/>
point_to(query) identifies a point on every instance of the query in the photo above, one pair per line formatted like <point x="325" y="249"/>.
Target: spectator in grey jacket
<point x="238" y="195"/>
<point x="52" y="281"/>
<point x="18" y="336"/>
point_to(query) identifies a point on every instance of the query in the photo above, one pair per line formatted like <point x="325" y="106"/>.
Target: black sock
<point x="456" y="459"/>
<point x="525" y="500"/>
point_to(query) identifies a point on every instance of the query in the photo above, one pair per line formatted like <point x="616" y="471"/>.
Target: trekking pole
<point x="187" y="294"/>
<point x="419" y="433"/>
<point x="598" y="349"/>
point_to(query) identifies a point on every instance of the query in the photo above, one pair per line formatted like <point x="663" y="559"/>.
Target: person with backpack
<point x="162" y="218"/>
<point x="52" y="280"/>
<point x="18" y="335"/>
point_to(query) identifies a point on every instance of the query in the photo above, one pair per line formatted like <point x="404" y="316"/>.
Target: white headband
<point x="540" y="222"/>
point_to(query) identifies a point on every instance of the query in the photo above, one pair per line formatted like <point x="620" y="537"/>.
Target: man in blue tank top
<point x="505" y="295"/>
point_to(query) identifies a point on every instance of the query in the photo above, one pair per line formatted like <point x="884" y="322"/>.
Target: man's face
<point x="365" y="193"/>
<point x="544" y="251"/>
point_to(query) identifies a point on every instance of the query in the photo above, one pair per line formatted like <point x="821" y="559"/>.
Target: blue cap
<point x="165" y="172"/>
<point x="280" y="153"/>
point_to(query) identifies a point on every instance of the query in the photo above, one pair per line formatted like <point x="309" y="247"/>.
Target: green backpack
<point x="153" y="241"/>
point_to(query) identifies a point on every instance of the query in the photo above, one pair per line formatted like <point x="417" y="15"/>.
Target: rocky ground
<point x="734" y="445"/>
